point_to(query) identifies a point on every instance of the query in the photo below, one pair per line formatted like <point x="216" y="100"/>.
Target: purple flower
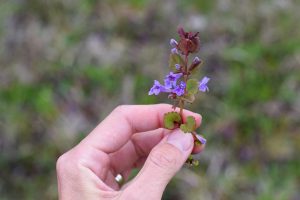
<point x="179" y="89"/>
<point x="174" y="51"/>
<point x="203" y="84"/>
<point x="201" y="139"/>
<point x="173" y="43"/>
<point x="171" y="79"/>
<point x="177" y="66"/>
<point x="157" y="88"/>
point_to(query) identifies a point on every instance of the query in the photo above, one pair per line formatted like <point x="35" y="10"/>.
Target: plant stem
<point x="186" y="64"/>
<point x="185" y="78"/>
<point x="181" y="107"/>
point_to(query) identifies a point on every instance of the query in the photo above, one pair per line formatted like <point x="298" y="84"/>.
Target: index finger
<point x="115" y="131"/>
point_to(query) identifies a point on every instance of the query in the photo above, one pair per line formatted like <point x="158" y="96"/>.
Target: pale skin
<point x="130" y="137"/>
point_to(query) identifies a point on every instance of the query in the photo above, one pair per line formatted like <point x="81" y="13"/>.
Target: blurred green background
<point x="65" y="64"/>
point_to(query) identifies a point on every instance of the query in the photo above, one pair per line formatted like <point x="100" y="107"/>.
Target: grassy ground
<point x="66" y="64"/>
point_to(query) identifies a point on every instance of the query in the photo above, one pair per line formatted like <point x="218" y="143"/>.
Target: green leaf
<point x="175" y="59"/>
<point x="171" y="119"/>
<point x="192" y="86"/>
<point x="189" y="126"/>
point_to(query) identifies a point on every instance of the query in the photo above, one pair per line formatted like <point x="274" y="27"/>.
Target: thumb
<point x="163" y="162"/>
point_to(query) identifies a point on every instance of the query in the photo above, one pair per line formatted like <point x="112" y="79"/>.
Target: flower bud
<point x="196" y="59"/>
<point x="196" y="62"/>
<point x="173" y="43"/>
<point x="189" y="42"/>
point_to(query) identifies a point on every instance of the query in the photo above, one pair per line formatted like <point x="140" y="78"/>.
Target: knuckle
<point x="66" y="163"/>
<point x="164" y="157"/>
<point x="120" y="108"/>
<point x="60" y="163"/>
<point x="67" y="168"/>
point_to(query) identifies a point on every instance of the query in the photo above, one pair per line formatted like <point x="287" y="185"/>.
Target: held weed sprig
<point x="181" y="87"/>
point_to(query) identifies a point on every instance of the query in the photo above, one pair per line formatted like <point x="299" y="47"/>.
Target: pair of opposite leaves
<point x="173" y="119"/>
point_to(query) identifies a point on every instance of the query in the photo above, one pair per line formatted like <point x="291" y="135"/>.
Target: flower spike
<point x="181" y="88"/>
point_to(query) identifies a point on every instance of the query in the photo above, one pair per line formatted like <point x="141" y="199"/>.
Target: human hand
<point x="131" y="136"/>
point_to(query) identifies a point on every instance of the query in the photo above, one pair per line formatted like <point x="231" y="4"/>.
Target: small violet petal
<point x="179" y="89"/>
<point x="171" y="79"/>
<point x="204" y="80"/>
<point x="174" y="51"/>
<point x="173" y="43"/>
<point x="157" y="88"/>
<point x="201" y="139"/>
<point x="177" y="66"/>
<point x="203" y="84"/>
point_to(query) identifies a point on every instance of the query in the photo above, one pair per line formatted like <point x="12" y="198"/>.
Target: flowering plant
<point x="181" y="87"/>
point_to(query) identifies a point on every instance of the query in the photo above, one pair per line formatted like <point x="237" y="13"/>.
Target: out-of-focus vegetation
<point x="66" y="64"/>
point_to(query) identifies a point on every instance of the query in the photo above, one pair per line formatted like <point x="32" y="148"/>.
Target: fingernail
<point x="182" y="141"/>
